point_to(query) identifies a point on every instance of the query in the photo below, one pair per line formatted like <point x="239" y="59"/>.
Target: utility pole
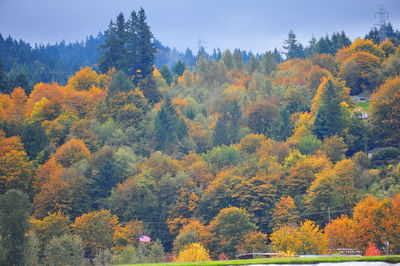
<point x="382" y="16"/>
<point x="329" y="214"/>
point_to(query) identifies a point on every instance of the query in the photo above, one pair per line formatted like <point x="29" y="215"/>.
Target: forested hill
<point x="232" y="155"/>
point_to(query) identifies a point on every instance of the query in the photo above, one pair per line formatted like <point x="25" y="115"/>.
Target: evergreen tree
<point x="237" y="60"/>
<point x="149" y="88"/>
<point x="22" y="81"/>
<point x="13" y="225"/>
<point x="114" y="53"/>
<point x="283" y="125"/>
<point x="227" y="58"/>
<point x="278" y="56"/>
<point x="228" y="124"/>
<point x="166" y="73"/>
<point x="329" y="114"/>
<point x="178" y="68"/>
<point x="145" y="50"/>
<point x="169" y="127"/>
<point x="3" y="79"/>
<point x="292" y="47"/>
<point x="132" y="44"/>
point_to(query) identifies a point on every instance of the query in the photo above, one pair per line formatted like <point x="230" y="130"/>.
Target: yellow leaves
<point x="306" y="239"/>
<point x="156" y="73"/>
<point x="193" y="252"/>
<point x="84" y="79"/>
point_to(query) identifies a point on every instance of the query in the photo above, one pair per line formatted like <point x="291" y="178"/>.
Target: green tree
<point x="166" y="73"/>
<point x="120" y="82"/>
<point x="169" y="127"/>
<point x="178" y="68"/>
<point x="229" y="228"/>
<point x="65" y="250"/>
<point x="13" y="225"/>
<point x="228" y="124"/>
<point x="328" y="110"/>
<point x="113" y="49"/>
<point x="145" y="52"/>
<point x="227" y="58"/>
<point x="293" y="49"/>
<point x="3" y="79"/>
<point x="237" y="60"/>
<point x="22" y="81"/>
<point x="149" y="88"/>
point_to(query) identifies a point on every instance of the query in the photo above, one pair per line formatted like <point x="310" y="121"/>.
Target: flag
<point x="144" y="239"/>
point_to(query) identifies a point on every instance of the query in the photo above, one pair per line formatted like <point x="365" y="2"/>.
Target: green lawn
<point x="363" y="105"/>
<point x="390" y="259"/>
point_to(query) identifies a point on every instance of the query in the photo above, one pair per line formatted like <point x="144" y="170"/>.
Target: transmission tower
<point x="382" y="16"/>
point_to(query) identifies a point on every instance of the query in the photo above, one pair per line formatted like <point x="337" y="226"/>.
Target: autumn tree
<point x="306" y="239"/>
<point x="285" y="213"/>
<point x="193" y="252"/>
<point x="253" y="242"/>
<point x="96" y="230"/>
<point x="84" y="79"/>
<point x="341" y="233"/>
<point x="385" y="112"/>
<point x="361" y="72"/>
<point x="71" y="152"/>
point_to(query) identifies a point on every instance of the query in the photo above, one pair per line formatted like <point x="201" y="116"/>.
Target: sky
<point x="254" y="25"/>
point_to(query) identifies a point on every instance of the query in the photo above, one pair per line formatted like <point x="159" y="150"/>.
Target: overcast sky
<point x="256" y="25"/>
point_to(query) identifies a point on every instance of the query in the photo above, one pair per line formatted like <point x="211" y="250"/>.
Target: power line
<point x="382" y="15"/>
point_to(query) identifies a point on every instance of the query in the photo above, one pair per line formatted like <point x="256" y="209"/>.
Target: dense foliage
<point x="235" y="155"/>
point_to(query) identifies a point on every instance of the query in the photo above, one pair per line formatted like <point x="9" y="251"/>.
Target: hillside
<point x="238" y="155"/>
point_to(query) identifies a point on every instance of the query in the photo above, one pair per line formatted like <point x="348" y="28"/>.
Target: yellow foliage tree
<point x="306" y="239"/>
<point x="84" y="79"/>
<point x="193" y="252"/>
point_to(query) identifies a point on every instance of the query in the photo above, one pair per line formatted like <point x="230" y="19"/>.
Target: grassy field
<point x="363" y="105"/>
<point x="311" y="260"/>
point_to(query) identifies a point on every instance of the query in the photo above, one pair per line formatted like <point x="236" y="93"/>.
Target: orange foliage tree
<point x="71" y="152"/>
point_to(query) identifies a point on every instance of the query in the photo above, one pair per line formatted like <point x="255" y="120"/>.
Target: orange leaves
<point x="341" y="233"/>
<point x="71" y="152"/>
<point x="285" y="213"/>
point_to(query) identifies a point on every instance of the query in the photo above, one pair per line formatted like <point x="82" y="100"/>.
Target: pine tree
<point x="14" y="224"/>
<point x="166" y="73"/>
<point x="178" y="68"/>
<point x="169" y="127"/>
<point x="132" y="44"/>
<point x="145" y="50"/>
<point x="329" y="113"/>
<point x="3" y="79"/>
<point x="22" y="81"/>
<point x="114" y="52"/>
<point x="292" y="47"/>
